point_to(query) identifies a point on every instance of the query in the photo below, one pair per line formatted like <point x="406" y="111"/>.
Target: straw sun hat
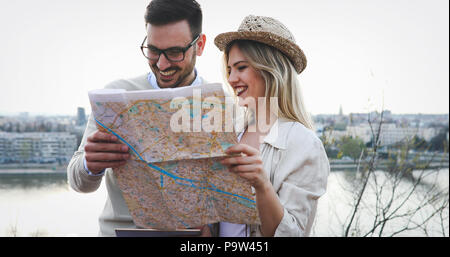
<point x="268" y="31"/>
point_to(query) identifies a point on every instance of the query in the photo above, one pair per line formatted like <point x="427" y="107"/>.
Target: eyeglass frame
<point x="163" y="51"/>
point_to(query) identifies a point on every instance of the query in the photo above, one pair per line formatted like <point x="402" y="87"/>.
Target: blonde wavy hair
<point x="279" y="75"/>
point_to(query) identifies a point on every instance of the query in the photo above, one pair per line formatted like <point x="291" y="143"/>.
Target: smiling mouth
<point x="167" y="73"/>
<point x="240" y="90"/>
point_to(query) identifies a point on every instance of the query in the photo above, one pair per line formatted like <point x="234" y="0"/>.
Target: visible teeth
<point x="240" y="89"/>
<point x="168" y="73"/>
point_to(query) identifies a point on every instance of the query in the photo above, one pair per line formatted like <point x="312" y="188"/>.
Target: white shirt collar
<point x="277" y="136"/>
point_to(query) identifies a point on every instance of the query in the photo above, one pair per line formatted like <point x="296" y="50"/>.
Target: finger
<point x="245" y="168"/>
<point x="252" y="178"/>
<point x="244" y="160"/>
<point x="242" y="148"/>
<point x="102" y="137"/>
<point x="105" y="147"/>
<point x="105" y="157"/>
<point x="99" y="166"/>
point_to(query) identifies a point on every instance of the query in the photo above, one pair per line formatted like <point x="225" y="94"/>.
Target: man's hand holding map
<point x="177" y="138"/>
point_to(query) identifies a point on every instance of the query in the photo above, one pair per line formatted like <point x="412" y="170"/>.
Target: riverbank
<point x="32" y="168"/>
<point x="336" y="165"/>
<point x="339" y="165"/>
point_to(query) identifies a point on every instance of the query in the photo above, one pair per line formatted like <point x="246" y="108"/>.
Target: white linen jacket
<point x="296" y="163"/>
<point x="115" y="213"/>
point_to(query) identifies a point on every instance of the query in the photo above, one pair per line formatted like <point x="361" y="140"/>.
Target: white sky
<point x="359" y="51"/>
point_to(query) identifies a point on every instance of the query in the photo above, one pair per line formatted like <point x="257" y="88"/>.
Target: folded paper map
<point x="177" y="138"/>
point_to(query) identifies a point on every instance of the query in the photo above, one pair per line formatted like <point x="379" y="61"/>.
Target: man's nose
<point x="163" y="63"/>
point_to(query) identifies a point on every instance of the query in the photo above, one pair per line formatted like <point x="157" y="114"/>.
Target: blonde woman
<point x="285" y="162"/>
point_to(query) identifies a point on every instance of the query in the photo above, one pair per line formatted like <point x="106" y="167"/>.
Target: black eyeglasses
<point x="173" y="54"/>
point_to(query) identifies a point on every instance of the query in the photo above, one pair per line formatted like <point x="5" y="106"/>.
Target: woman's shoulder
<point x="298" y="135"/>
<point x="304" y="161"/>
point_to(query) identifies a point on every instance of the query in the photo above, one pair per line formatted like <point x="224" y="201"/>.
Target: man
<point x="173" y="42"/>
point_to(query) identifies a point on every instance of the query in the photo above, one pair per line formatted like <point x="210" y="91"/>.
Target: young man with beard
<point x="174" y="40"/>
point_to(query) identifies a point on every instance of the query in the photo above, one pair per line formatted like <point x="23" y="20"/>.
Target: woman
<point x="286" y="164"/>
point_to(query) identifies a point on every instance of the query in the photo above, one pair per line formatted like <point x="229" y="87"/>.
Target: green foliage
<point x="351" y="147"/>
<point x="332" y="152"/>
<point x="341" y="126"/>
<point x="418" y="143"/>
<point x="439" y="142"/>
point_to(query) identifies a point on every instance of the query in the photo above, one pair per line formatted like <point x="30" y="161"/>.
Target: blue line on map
<point x="172" y="175"/>
<point x="140" y="157"/>
<point x="162" y="181"/>
<point x="211" y="184"/>
<point x="189" y="185"/>
<point x="181" y="221"/>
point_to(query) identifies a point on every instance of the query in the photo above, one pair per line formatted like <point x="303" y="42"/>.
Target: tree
<point x="352" y="147"/>
<point x="419" y="143"/>
<point x="440" y="142"/>
<point x="405" y="197"/>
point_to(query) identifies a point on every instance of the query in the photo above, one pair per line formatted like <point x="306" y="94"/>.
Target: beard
<point x="183" y="78"/>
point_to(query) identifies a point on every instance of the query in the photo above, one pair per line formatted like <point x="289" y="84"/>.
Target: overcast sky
<point x="360" y="53"/>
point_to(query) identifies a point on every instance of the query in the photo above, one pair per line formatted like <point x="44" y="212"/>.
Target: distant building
<point x="390" y="133"/>
<point x="24" y="115"/>
<point x="81" y="117"/>
<point x="37" y="147"/>
<point x="362" y="132"/>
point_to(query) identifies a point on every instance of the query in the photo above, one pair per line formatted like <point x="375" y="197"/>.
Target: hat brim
<point x="291" y="50"/>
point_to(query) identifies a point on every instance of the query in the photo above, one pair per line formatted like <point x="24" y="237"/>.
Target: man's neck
<point x="189" y="80"/>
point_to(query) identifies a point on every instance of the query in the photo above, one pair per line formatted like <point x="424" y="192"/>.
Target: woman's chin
<point x="242" y="102"/>
<point x="247" y="101"/>
<point x="248" y="107"/>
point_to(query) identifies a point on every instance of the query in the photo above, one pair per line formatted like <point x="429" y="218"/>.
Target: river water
<point x="44" y="205"/>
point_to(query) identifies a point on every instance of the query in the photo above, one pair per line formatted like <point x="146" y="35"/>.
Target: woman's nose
<point x="232" y="78"/>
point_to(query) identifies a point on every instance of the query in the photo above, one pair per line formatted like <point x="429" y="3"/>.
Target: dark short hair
<point x="162" y="12"/>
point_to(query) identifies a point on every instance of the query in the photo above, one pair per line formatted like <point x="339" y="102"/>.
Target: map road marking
<point x="215" y="189"/>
